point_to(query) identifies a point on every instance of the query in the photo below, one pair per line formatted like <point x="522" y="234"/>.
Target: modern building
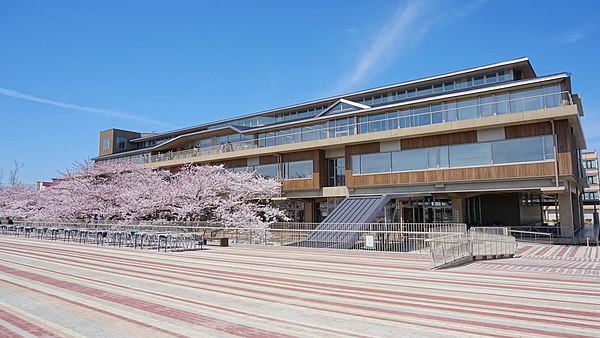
<point x="490" y="145"/>
<point x="590" y="195"/>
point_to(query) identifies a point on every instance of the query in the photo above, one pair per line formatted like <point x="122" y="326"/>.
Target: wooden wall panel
<point x="563" y="135"/>
<point x="439" y="140"/>
<point x="367" y="148"/>
<point x="565" y="164"/>
<point x="235" y="163"/>
<point x="528" y="130"/>
<point x="459" y="174"/>
<point x="300" y="184"/>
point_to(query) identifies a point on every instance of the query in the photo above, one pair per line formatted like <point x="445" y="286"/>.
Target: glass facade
<point x="287" y="170"/>
<point x="521" y="150"/>
<point x="437" y="88"/>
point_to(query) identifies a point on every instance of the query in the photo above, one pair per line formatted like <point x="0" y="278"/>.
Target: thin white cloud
<point x="106" y="112"/>
<point x="577" y="34"/>
<point x="406" y="29"/>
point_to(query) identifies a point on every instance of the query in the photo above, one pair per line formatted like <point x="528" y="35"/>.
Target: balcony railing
<point x="327" y="130"/>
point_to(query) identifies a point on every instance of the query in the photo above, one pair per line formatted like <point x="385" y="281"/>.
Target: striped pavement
<point x="58" y="289"/>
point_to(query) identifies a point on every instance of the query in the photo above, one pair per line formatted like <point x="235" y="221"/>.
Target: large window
<point x="409" y="160"/>
<point x="298" y="170"/>
<point x="473" y="154"/>
<point x="519" y="150"/>
<point x="592" y="179"/>
<point x="376" y="163"/>
<point x="529" y="149"/>
<point x="289" y="170"/>
<point x="121" y="142"/>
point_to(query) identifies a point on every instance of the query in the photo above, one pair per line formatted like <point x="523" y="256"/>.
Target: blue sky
<point x="69" y="69"/>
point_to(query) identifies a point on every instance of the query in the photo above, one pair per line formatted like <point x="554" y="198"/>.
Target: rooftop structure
<point x="494" y="144"/>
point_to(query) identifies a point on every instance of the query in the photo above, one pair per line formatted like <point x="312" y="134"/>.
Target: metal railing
<point x="479" y="242"/>
<point x="323" y="131"/>
<point x="532" y="236"/>
<point x="394" y="237"/>
<point x="136" y="236"/>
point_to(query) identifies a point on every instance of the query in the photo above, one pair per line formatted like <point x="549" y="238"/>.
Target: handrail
<point x="564" y="98"/>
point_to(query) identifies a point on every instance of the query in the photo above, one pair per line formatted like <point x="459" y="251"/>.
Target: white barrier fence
<point x="478" y="243"/>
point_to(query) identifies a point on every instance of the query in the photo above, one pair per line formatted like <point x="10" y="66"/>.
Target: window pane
<point x="267" y="170"/>
<point x="501" y="103"/>
<point x="392" y="122"/>
<point x="486" y="105"/>
<point x="443" y="152"/>
<point x="375" y="163"/>
<point x="409" y="160"/>
<point x="449" y="86"/>
<point x="470" y="154"/>
<point x="491" y="78"/>
<point x="519" y="150"/>
<point x="422" y="115"/>
<point x="450" y="112"/>
<point x="424" y="91"/>
<point x="433" y="157"/>
<point x="363" y="126"/>
<point x="355" y="164"/>
<point x="522" y="100"/>
<point x="460" y="84"/>
<point x="301" y="169"/>
<point x="405" y="118"/>
<point x="478" y="81"/>
<point x="467" y="109"/>
<point x="552" y="97"/>
<point x="549" y="147"/>
<point x="377" y="122"/>
<point x="436" y="113"/>
<point x="206" y="142"/>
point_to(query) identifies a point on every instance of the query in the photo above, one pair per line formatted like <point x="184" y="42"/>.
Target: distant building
<point x="590" y="195"/>
<point x="491" y="145"/>
<point x="41" y="185"/>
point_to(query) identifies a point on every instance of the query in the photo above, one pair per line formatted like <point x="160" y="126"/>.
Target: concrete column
<point x="566" y="214"/>
<point x="309" y="211"/>
<point x="458" y="210"/>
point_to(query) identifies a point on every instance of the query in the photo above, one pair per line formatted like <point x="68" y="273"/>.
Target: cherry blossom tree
<point x="126" y="191"/>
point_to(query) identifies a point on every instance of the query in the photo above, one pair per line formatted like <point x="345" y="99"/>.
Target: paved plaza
<point x="58" y="289"/>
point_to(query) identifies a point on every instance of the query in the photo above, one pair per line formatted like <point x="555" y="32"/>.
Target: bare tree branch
<point x="13" y="174"/>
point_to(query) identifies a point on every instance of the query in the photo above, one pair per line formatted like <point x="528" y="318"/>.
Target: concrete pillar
<point x="309" y="211"/>
<point x="566" y="214"/>
<point x="458" y="210"/>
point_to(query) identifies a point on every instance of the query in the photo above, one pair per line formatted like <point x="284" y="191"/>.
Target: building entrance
<point x="426" y="210"/>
